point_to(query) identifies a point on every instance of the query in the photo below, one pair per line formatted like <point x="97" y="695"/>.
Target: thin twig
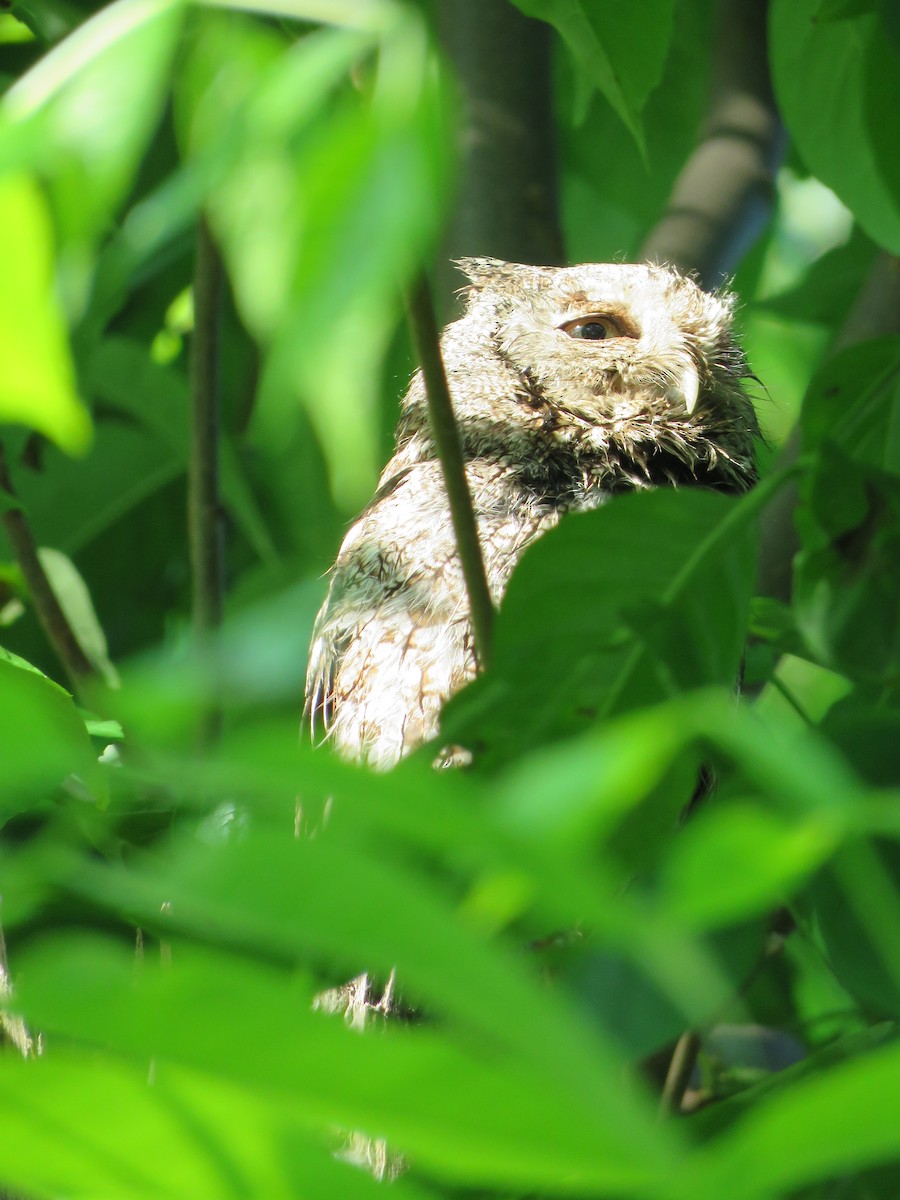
<point x="681" y="1067"/>
<point x="423" y="325"/>
<point x="204" y="507"/>
<point x="46" y="606"/>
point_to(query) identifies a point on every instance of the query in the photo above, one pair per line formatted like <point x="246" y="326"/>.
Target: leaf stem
<point x="423" y="326"/>
<point x="46" y="606"/>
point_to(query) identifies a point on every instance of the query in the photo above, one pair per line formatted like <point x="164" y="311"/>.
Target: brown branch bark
<point x="507" y="206"/>
<point x="47" y="608"/>
<point x="723" y="196"/>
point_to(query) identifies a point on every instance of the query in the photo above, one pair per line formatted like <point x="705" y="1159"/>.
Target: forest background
<point x="208" y="220"/>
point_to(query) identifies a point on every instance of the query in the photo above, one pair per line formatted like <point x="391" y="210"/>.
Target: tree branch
<point x="423" y="326"/>
<point x="723" y="196"/>
<point x="507" y="205"/>
<point x="681" y="1067"/>
<point x="47" y="608"/>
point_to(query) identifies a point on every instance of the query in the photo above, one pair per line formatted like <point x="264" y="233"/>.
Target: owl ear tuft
<point x="481" y="272"/>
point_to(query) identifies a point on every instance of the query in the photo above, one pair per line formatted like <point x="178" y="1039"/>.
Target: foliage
<point x="549" y="911"/>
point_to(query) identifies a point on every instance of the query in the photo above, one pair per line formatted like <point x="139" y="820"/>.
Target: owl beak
<point x="687" y="389"/>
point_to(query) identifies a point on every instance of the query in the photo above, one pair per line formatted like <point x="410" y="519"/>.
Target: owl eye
<point x="593" y="328"/>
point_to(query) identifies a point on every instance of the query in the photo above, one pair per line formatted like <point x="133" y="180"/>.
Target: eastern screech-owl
<point x="569" y="385"/>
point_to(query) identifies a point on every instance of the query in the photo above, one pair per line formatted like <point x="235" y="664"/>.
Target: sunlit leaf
<point x="37" y="379"/>
<point x="734" y="860"/>
<point x="75" y="601"/>
<point x="220" y="1139"/>
<point x="527" y="1129"/>
<point x="296" y="230"/>
<point x="822" y="71"/>
<point x="88" y="107"/>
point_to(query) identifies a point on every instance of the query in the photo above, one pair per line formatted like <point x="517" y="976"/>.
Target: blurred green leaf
<point x="86" y="110"/>
<point x="122" y="374"/>
<point x="827" y="289"/>
<point x="823" y="72"/>
<point x="528" y="1129"/>
<point x="853" y="905"/>
<point x="296" y="230"/>
<point x="37" y="379"/>
<point x="736" y="860"/>
<point x="75" y="601"/>
<point x="222" y="1141"/>
<point x="831" y="1125"/>
<point x="42" y="739"/>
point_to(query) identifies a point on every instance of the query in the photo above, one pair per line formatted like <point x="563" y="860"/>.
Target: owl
<point x="569" y="385"/>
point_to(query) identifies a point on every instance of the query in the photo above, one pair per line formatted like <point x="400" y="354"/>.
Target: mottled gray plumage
<point x="569" y="385"/>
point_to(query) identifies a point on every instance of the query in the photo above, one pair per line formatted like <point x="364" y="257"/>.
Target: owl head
<point x="608" y="341"/>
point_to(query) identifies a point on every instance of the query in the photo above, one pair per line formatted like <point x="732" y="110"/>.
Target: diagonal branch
<point x="723" y="197"/>
<point x="507" y="204"/>
<point x="423" y="325"/>
<point x="46" y="606"/>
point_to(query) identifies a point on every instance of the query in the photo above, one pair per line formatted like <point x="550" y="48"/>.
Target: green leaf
<point x="607" y="214"/>
<point x="838" y="10"/>
<point x="841" y="1121"/>
<point x="735" y="860"/>
<point x="82" y="1123"/>
<point x="296" y="225"/>
<point x="854" y="402"/>
<point x="42" y="739"/>
<point x="824" y="74"/>
<point x="847" y="576"/>
<point x="37" y="379"/>
<point x="369" y="16"/>
<point x="853" y="907"/>
<point x="617" y="628"/>
<point x="122" y="374"/>
<point x="87" y="109"/>
<point x="526" y="1131"/>
<point x="621" y="55"/>
<point x="75" y="601"/>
